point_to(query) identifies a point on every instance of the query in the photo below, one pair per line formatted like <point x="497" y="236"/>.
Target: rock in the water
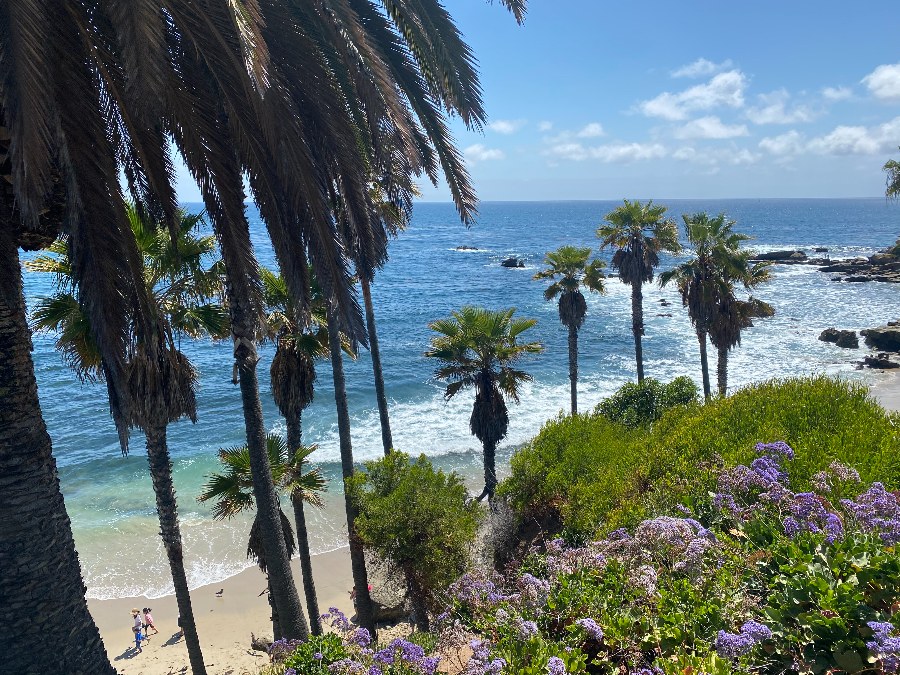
<point x="466" y="248"/>
<point x="780" y="255"/>
<point x="880" y="361"/>
<point x="821" y="249"/>
<point x="842" y="338"/>
<point x="858" y="278"/>
<point x="886" y="338"/>
<point x="883" y="259"/>
<point x="759" y="309"/>
<point x="513" y="262"/>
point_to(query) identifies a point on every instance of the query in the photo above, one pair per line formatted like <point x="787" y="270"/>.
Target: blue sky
<point x="593" y="99"/>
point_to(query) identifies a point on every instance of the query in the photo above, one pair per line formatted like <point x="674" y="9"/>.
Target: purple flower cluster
<point x="885" y="647"/>
<point x="337" y="619"/>
<point x="481" y="662"/>
<point x="281" y="649"/>
<point x="876" y="510"/>
<point x="735" y="645"/>
<point x="594" y="631"/>
<point x="836" y="475"/>
<point x="555" y="666"/>
<point x="808" y="514"/>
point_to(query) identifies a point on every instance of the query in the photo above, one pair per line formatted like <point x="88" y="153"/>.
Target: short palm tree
<point x="232" y="492"/>
<point x="183" y="279"/>
<point x="570" y="271"/>
<point x="733" y="315"/>
<point x="702" y="279"/>
<point x="479" y="348"/>
<point x="639" y="233"/>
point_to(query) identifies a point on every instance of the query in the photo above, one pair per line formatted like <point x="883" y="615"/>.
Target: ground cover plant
<point x="760" y="578"/>
<point x="581" y="474"/>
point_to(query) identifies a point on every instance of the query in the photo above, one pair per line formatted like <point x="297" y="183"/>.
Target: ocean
<point x="110" y="500"/>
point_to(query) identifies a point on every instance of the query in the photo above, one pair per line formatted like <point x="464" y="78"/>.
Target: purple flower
<point x="555" y="666"/>
<point x="834" y="528"/>
<point x="877" y="511"/>
<point x="360" y="637"/>
<point x="591" y="628"/>
<point x="757" y="631"/>
<point x="777" y="449"/>
<point x="883" y="646"/>
<point x="336" y="619"/>
<point x="791" y="527"/>
<point x="526" y="629"/>
<point x="290" y="671"/>
<point x="732" y="646"/>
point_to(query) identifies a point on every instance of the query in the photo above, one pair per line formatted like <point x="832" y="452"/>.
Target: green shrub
<point x="640" y="404"/>
<point x="596" y="475"/>
<point x="578" y="467"/>
<point x="418" y="522"/>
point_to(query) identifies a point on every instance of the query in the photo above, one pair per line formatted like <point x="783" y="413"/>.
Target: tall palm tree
<point x="232" y="493"/>
<point x="184" y="284"/>
<point x="293" y="374"/>
<point x="733" y="315"/>
<point x="479" y="348"/>
<point x="638" y="232"/>
<point x="303" y="100"/>
<point x="570" y="263"/>
<point x="701" y="280"/>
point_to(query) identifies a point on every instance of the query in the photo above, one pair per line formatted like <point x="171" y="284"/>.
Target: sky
<point x="594" y="99"/>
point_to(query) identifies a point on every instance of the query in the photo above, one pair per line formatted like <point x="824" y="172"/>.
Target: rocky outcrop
<point x="513" y="262"/>
<point x="466" y="248"/>
<point x="886" y="338"/>
<point x="884" y="267"/>
<point x="780" y="256"/>
<point x="842" y="338"/>
<point x="881" y="361"/>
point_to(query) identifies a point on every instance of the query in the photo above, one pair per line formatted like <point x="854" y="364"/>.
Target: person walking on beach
<point x="136" y="629"/>
<point x="148" y="622"/>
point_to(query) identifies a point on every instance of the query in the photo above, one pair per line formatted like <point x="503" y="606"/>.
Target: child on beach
<point x="148" y="622"/>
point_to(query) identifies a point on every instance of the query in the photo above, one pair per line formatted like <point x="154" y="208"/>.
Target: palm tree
<point x="293" y="374"/>
<point x="478" y="348"/>
<point x="892" y="168"/>
<point x="302" y="102"/>
<point x="183" y="283"/>
<point x="571" y="264"/>
<point x="638" y="232"/>
<point x="700" y="280"/>
<point x="232" y="492"/>
<point x="733" y="315"/>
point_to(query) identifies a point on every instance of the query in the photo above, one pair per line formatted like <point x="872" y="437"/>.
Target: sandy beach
<point x="224" y="623"/>
<point x="886" y="389"/>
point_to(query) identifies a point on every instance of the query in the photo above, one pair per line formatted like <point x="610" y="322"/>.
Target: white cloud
<point x="772" y="109"/>
<point x="743" y="156"/>
<point x="506" y="126"/>
<point x="701" y="68"/>
<point x="837" y="93"/>
<point x="784" y="145"/>
<point x="710" y="127"/>
<point x="618" y="153"/>
<point x="842" y="140"/>
<point x="884" y="82"/>
<point x="725" y="89"/>
<point x="591" y="130"/>
<point x="685" y="154"/>
<point x="545" y="126"/>
<point x="480" y="153"/>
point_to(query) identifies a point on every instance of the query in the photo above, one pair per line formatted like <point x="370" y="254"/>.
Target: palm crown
<point x="570" y="271"/>
<point x="638" y="232"/>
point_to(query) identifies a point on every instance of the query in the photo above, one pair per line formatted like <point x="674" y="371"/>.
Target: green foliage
<point x="303" y="659"/>
<point x="594" y="474"/>
<point x="578" y="467"/>
<point x="640" y="404"/>
<point x="417" y="520"/>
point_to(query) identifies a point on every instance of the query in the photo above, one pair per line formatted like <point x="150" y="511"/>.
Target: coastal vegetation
<point x="478" y="349"/>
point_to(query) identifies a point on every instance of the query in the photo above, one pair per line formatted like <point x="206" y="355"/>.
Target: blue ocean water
<point x="110" y="499"/>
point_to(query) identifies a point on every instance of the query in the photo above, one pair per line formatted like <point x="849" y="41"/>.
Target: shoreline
<point x="885" y="389"/>
<point x="224" y="623"/>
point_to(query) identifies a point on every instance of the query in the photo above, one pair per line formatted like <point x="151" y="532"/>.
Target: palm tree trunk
<point x="287" y="602"/>
<point x="419" y="605"/>
<point x="48" y="626"/>
<point x="386" y="439"/>
<point x="573" y="367"/>
<point x="277" y="633"/>
<point x="704" y="363"/>
<point x="722" y="371"/>
<point x="364" y="611"/>
<point x="490" y="471"/>
<point x="166" y="507"/>
<point x="309" y="585"/>
<point x="637" y="326"/>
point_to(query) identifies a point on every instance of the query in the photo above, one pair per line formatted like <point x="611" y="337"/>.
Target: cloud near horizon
<point x="506" y="127"/>
<point x="481" y="153"/>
